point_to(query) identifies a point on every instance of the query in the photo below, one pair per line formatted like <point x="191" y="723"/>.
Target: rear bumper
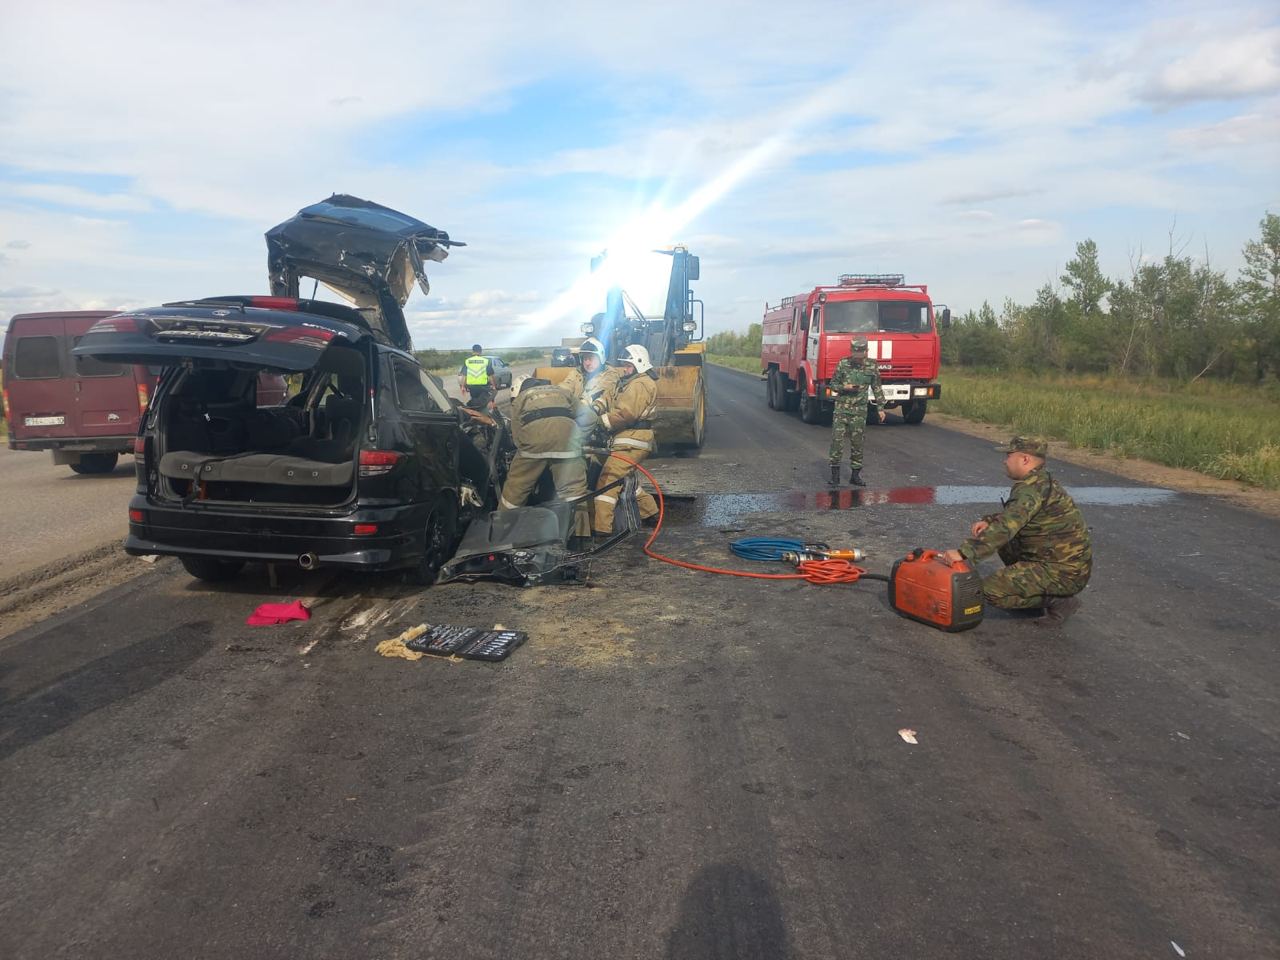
<point x="73" y="444"/>
<point x="265" y="537"/>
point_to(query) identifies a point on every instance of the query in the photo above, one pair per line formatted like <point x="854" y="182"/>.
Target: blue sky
<point x="145" y="147"/>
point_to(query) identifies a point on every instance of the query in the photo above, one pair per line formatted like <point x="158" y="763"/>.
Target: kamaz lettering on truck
<point x="806" y="335"/>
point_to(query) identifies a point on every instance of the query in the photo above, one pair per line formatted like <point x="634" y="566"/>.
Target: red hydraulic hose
<point x="814" y="571"/>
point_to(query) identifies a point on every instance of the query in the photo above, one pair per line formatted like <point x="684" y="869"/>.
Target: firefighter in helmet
<point x="592" y="378"/>
<point x="855" y="378"/>
<point x="627" y="416"/>
<point x="546" y="435"/>
<point x="476" y="379"/>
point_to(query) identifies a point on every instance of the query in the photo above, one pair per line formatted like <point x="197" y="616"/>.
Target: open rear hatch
<point x="368" y="254"/>
<point x="215" y="439"/>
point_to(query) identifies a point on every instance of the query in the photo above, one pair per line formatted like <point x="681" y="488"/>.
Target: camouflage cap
<point x="859" y="345"/>
<point x="1033" y="446"/>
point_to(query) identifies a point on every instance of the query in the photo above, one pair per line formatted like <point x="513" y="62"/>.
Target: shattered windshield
<point x="875" y="316"/>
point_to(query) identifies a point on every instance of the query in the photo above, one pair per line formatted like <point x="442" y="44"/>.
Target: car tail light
<point x="122" y="323"/>
<point x="376" y="463"/>
<point x="4" y="399"/>
<point x="365" y="529"/>
<point x="306" y="336"/>
<point x="139" y="450"/>
<point x="137" y="516"/>
<point x="143" y="398"/>
<point x="274" y="303"/>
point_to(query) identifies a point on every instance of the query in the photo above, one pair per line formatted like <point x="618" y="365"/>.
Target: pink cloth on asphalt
<point x="270" y="614"/>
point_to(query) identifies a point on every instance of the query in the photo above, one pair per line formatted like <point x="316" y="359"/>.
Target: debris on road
<point x="1177" y="949"/>
<point x="395" y="647"/>
<point x="907" y="734"/>
<point x="270" y="614"/>
<point x="470" y="643"/>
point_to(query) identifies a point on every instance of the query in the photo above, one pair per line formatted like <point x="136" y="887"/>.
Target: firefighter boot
<point x="855" y="477"/>
<point x="835" y="476"/>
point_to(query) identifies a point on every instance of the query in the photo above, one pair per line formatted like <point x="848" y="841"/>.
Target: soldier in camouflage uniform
<point x="855" y="378"/>
<point x="1040" y="536"/>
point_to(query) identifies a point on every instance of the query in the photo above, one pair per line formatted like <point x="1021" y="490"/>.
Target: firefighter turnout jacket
<point x="543" y="425"/>
<point x="628" y="414"/>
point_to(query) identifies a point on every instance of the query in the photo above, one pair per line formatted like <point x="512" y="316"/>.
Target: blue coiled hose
<point x="764" y="548"/>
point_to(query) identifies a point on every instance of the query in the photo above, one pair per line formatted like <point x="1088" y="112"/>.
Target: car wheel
<point x="439" y="539"/>
<point x="211" y="570"/>
<point x="96" y="463"/>
<point x="771" y="389"/>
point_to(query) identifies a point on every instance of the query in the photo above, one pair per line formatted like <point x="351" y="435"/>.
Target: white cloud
<point x="1240" y="131"/>
<point x="1241" y="64"/>
<point x="68" y="196"/>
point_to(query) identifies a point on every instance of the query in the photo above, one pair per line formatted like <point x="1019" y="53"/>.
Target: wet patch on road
<point x="719" y="509"/>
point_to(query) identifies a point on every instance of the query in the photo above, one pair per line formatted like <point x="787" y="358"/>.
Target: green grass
<point x="1219" y="429"/>
<point x="750" y="364"/>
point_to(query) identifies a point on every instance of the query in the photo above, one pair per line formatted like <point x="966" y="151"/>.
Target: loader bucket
<point x="681" y="419"/>
<point x="556" y="375"/>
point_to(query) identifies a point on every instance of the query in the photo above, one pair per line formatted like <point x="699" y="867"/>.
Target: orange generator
<point x="925" y="587"/>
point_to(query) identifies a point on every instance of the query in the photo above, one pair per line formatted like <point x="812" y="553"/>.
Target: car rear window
<point x="89" y="367"/>
<point x="36" y="358"/>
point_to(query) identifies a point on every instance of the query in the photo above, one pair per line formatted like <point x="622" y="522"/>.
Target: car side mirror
<point x="944" y="321"/>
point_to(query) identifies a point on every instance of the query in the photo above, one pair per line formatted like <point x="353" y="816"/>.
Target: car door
<point x="499" y="375"/>
<point x="428" y="424"/>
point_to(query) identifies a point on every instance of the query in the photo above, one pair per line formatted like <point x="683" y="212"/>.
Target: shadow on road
<point x="730" y="912"/>
<point x="107" y="680"/>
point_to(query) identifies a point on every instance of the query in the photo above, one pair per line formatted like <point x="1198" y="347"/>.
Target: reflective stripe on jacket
<point x="635" y="401"/>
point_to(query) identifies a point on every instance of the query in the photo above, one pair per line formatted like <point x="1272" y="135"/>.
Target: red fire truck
<point x="805" y="336"/>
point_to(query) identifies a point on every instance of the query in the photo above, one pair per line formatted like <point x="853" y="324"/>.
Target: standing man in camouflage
<point x="1040" y="536"/>
<point x="855" y="378"/>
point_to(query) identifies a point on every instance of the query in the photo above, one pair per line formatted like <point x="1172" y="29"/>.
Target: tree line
<point x="1172" y="317"/>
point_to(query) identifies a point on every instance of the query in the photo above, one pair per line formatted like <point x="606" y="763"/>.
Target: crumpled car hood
<point x="368" y="254"/>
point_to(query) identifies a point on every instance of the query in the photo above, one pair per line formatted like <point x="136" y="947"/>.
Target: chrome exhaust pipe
<point x="308" y="561"/>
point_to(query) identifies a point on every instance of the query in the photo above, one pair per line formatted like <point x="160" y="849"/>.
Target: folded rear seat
<point x="255" y="468"/>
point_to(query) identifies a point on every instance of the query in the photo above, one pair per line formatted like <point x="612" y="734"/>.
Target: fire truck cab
<point x="806" y="335"/>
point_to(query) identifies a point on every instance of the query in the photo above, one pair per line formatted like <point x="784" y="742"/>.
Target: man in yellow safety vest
<point x="476" y="379"/>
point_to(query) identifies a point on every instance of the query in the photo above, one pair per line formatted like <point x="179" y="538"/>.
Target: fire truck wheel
<point x="914" y="411"/>
<point x="790" y="398"/>
<point x="771" y="391"/>
<point x="810" y="409"/>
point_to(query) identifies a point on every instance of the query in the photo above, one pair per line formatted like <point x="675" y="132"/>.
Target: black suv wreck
<point x="368" y="465"/>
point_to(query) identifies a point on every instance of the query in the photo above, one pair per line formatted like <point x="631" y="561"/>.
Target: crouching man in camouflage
<point x="1040" y="536"/>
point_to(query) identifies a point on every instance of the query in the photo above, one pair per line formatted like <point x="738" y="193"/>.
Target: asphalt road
<point x="50" y="512"/>
<point x="675" y="764"/>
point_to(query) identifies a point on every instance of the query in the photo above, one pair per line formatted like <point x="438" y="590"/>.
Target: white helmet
<point x="638" y="357"/>
<point x="517" y="385"/>
<point x="591" y="345"/>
